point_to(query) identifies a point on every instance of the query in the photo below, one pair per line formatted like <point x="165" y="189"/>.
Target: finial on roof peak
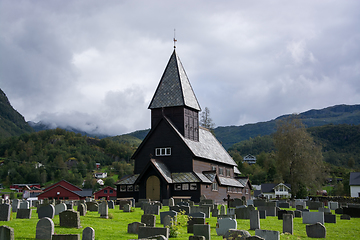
<point x="174" y="39"/>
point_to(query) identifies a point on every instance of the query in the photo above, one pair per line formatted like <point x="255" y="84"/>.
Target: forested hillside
<point x="340" y="144"/>
<point x="11" y="122"/>
<point x="57" y="154"/>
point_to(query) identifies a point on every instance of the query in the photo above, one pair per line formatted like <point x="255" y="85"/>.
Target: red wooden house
<point x="108" y="193"/>
<point x="65" y="191"/>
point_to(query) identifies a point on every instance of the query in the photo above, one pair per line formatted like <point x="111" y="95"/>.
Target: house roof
<point x="60" y="186"/>
<point x="269" y="187"/>
<point x="66" y="183"/>
<point x="108" y="187"/>
<point x="174" y="88"/>
<point x="354" y="178"/>
<point x="230" y="182"/>
<point x="244" y="181"/>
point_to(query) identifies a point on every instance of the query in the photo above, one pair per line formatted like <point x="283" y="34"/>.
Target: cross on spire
<point x="174" y="39"/>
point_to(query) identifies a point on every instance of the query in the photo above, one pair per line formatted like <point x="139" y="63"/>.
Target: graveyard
<point x="115" y="224"/>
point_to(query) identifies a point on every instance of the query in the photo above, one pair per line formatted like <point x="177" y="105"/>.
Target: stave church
<point x="178" y="158"/>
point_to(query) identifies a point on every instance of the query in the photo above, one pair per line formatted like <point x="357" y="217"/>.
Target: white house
<point x="354" y="184"/>
<point x="100" y="175"/>
<point x="273" y="190"/>
<point x="249" y="159"/>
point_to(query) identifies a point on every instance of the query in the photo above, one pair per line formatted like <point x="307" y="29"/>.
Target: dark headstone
<point x="92" y="206"/>
<point x="288" y="224"/>
<point x="173" y="214"/>
<point x="149" y="220"/>
<point x="88" y="234"/>
<point x="339" y="211"/>
<point x="352" y="211"/>
<point x="70" y="218"/>
<point x="192" y="221"/>
<point x="330" y="218"/>
<point x="5" y="210"/>
<point x="146" y="232"/>
<point x="345" y="217"/>
<point x="81" y="209"/>
<point x="284" y="205"/>
<point x="267" y="234"/>
<point x="134" y="227"/>
<point x="262" y="214"/>
<point x="202" y="230"/>
<point x="46" y="211"/>
<point x="6" y="233"/>
<point x="316" y="230"/>
<point x="44" y="228"/>
<point x="23" y="213"/>
<point x="66" y="237"/>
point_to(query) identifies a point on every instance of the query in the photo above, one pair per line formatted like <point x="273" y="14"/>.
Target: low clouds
<point x="95" y="65"/>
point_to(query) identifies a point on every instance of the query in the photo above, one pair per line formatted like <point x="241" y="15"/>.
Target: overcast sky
<point x="96" y="64"/>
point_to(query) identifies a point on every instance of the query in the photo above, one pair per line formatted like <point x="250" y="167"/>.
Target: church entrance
<point x="153" y="188"/>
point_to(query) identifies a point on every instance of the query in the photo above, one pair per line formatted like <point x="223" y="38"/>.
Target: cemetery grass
<point x="116" y="226"/>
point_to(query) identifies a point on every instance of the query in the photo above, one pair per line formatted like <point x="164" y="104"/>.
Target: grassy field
<point x="116" y="227"/>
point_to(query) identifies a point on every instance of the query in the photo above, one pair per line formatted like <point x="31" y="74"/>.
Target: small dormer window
<point x="163" y="151"/>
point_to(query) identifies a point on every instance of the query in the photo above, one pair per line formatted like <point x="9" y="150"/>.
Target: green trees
<point x="205" y="119"/>
<point x="299" y="159"/>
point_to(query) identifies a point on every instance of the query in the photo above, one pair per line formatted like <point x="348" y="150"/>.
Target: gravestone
<point x="145" y="232"/>
<point x="268" y="234"/>
<point x="46" y="211"/>
<point x="202" y="230"/>
<point x="243" y="212"/>
<point x="254" y="220"/>
<point x="215" y="212"/>
<point x="171" y="202"/>
<point x="168" y="221"/>
<point x="299" y="207"/>
<point x="185" y="209"/>
<point x="197" y="215"/>
<point x="222" y="209"/>
<point x="192" y="221"/>
<point x="23" y="213"/>
<point x="15" y="205"/>
<point x="149" y="220"/>
<point x="6" y="233"/>
<point x="316" y="230"/>
<point x="44" y="228"/>
<point x="127" y="208"/>
<point x="5" y="212"/>
<point x="330" y="218"/>
<point x="81" y="209"/>
<point x="313" y="217"/>
<point x="259" y="202"/>
<point x="60" y="208"/>
<point x="173" y="214"/>
<point x="236" y="234"/>
<point x="66" y="237"/>
<point x="70" y="218"/>
<point x="284" y="205"/>
<point x="111" y="204"/>
<point x="333" y="205"/>
<point x="69" y="205"/>
<point x="288" y="224"/>
<point x="224" y="224"/>
<point x="134" y="227"/>
<point x="24" y="205"/>
<point x="250" y="202"/>
<point x="270" y="210"/>
<point x="345" y="217"/>
<point x="314" y="205"/>
<point x="353" y="211"/>
<point x="152" y="209"/>
<point x="92" y="206"/>
<point x="104" y="210"/>
<point x="262" y="214"/>
<point x="196" y="238"/>
<point x="324" y="209"/>
<point x="339" y="211"/>
<point x="88" y="234"/>
<point x="298" y="214"/>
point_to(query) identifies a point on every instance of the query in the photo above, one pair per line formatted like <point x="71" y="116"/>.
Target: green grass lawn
<point x="116" y="228"/>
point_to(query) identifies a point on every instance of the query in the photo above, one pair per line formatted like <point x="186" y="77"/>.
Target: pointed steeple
<point x="174" y="88"/>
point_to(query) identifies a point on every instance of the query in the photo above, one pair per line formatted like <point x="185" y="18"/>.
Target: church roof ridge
<point x="174" y="88"/>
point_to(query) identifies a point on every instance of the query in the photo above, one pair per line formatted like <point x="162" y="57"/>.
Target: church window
<point x="221" y="171"/>
<point x="213" y="168"/>
<point x="193" y="186"/>
<point x="130" y="188"/>
<point x="185" y="186"/>
<point x="229" y="189"/>
<point x="177" y="187"/>
<point x="123" y="188"/>
<point x="163" y="151"/>
<point x="214" y="186"/>
<point x="228" y="172"/>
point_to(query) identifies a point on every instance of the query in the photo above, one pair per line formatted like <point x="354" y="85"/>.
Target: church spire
<point x="174" y="88"/>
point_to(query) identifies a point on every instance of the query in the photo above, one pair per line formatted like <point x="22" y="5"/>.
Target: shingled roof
<point x="174" y="88"/>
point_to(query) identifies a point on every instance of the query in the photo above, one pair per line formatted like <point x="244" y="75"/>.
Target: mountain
<point x="339" y="114"/>
<point x="12" y="123"/>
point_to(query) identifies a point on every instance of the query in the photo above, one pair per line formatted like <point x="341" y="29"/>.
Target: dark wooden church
<point x="178" y="158"/>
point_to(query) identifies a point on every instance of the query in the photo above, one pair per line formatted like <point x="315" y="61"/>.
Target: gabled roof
<point x="66" y="183"/>
<point x="269" y="187"/>
<point x="354" y="179"/>
<point x="244" y="181"/>
<point x="174" y="88"/>
<point x="108" y="187"/>
<point x="60" y="186"/>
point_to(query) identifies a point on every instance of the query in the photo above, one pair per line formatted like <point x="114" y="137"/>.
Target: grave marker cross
<point x="228" y="200"/>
